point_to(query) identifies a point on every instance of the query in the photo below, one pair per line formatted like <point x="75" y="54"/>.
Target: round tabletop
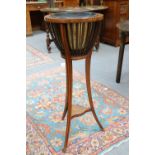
<point x="74" y="9"/>
<point x="73" y="17"/>
<point x="64" y="9"/>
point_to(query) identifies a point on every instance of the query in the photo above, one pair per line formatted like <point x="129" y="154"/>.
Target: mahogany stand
<point x="75" y="35"/>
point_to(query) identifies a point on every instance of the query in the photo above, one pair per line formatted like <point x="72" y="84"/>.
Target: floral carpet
<point x="46" y="130"/>
<point x="35" y="57"/>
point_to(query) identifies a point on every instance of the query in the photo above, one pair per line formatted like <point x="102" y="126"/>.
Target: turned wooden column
<point x="75" y="35"/>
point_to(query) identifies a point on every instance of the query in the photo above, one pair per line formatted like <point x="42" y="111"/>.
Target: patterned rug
<point x="46" y="130"/>
<point x="35" y="57"/>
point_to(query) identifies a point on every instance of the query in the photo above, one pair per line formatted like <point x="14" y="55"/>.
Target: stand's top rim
<point x="73" y="17"/>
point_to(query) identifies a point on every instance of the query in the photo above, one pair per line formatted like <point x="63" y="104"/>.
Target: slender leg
<point x="69" y="100"/>
<point x="65" y="109"/>
<point x="97" y="43"/>
<point x="48" y="41"/>
<point x="88" y="61"/>
<point x="66" y="104"/>
<point x="120" y="58"/>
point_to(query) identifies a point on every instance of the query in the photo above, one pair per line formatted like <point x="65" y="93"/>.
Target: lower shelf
<point x="78" y="110"/>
